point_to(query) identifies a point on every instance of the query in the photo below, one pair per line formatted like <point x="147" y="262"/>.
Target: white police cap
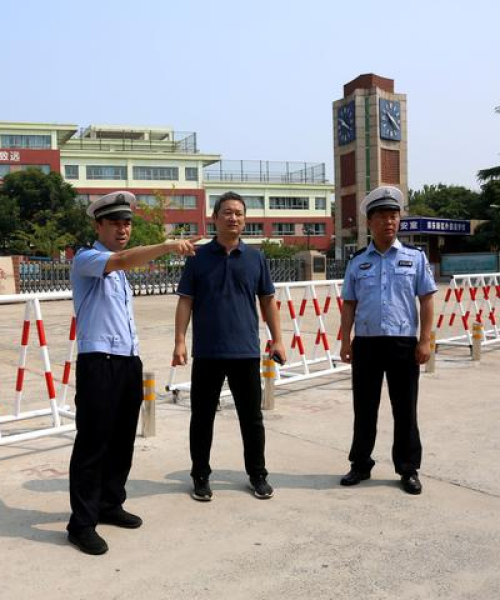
<point x="386" y="197"/>
<point x="114" y="206"/>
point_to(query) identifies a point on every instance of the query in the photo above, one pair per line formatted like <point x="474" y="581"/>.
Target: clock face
<point x="346" y="123"/>
<point x="390" y="119"/>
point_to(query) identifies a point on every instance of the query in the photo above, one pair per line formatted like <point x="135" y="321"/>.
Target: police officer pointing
<point x="381" y="284"/>
<point x="108" y="371"/>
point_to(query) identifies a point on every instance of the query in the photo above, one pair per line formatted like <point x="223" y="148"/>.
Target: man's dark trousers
<point x="108" y="398"/>
<point x="207" y="378"/>
<point x="394" y="356"/>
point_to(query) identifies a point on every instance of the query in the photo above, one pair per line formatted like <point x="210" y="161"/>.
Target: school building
<point x="289" y="202"/>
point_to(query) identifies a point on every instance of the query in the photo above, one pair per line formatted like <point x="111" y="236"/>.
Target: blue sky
<point x="256" y="79"/>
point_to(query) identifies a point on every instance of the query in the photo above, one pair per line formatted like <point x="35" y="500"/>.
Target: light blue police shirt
<point x="385" y="287"/>
<point x="103" y="305"/>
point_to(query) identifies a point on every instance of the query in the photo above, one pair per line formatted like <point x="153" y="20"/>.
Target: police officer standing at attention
<point x="381" y="284"/>
<point x="109" y="388"/>
<point x="219" y="287"/>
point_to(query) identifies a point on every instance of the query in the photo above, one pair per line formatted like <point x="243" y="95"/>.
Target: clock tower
<point x="370" y="149"/>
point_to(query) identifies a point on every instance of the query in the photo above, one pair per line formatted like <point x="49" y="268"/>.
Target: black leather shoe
<point x="88" y="541"/>
<point x="411" y="483"/>
<point x="120" y="518"/>
<point x="354" y="477"/>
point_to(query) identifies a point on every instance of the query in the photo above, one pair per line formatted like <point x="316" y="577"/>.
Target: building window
<point x="283" y="228"/>
<point x="287" y="203"/>
<point x="256" y="229"/>
<point x="43" y="168"/>
<point x="254" y="202"/>
<point x="314" y="229"/>
<point x="186" y="201"/>
<point x="191" y="173"/>
<point x="251" y="202"/>
<point x="320" y="203"/>
<point x="175" y="201"/>
<point x="156" y="173"/>
<point x="184" y="228"/>
<point x="4" y="170"/>
<point x="105" y="172"/>
<point x="71" y="171"/>
<point x="40" y="142"/>
<point x="211" y="229"/>
<point x="148" y="199"/>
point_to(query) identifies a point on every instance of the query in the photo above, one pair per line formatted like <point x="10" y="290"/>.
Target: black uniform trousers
<point x="207" y="379"/>
<point x="108" y="398"/>
<point x="371" y="358"/>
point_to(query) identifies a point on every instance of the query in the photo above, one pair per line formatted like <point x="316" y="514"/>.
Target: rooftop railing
<point x="265" y="171"/>
<point x="178" y="142"/>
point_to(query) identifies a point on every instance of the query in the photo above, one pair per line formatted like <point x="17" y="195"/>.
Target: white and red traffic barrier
<point x="469" y="299"/>
<point x="22" y="358"/>
<point x="68" y="362"/>
<point x="309" y="351"/>
<point x="55" y="411"/>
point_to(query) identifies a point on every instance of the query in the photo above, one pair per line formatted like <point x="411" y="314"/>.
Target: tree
<point x="493" y="172"/>
<point x="488" y="174"/>
<point x="447" y="202"/>
<point x="45" y="213"/>
<point x="419" y="202"/>
<point x="456" y="202"/>
<point x="46" y="239"/>
<point x="145" y="233"/>
<point x="272" y="250"/>
<point x="9" y="220"/>
<point x="36" y="192"/>
<point x="487" y="235"/>
<point x="148" y="226"/>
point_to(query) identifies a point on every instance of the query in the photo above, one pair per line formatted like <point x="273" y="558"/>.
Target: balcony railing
<point x="265" y="171"/>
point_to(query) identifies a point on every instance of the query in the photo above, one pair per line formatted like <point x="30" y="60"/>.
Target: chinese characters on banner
<point x="422" y="225"/>
<point x="10" y="155"/>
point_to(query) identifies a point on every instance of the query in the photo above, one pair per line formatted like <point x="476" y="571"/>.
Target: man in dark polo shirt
<point x="219" y="286"/>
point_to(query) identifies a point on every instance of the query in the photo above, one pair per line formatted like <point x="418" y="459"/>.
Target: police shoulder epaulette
<point x="360" y="251"/>
<point x="412" y="247"/>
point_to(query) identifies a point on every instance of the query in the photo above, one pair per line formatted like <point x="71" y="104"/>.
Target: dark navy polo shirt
<point x="223" y="287"/>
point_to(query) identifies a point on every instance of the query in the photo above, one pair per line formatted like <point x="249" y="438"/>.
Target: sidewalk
<point x="314" y="539"/>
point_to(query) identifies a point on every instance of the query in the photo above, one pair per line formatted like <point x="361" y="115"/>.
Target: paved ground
<point x="314" y="539"/>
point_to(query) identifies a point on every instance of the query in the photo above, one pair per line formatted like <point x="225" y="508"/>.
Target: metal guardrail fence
<point x="284" y="269"/>
<point x="160" y="277"/>
<point x="335" y="269"/>
<point x="44" y="276"/>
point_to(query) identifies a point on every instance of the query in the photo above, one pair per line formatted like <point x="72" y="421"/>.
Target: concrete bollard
<point x="269" y="375"/>
<point x="430" y="366"/>
<point x="477" y="338"/>
<point x="149" y="404"/>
